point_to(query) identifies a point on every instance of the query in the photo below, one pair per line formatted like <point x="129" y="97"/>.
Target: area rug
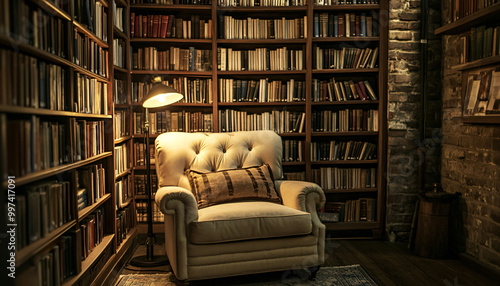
<point x="353" y="275"/>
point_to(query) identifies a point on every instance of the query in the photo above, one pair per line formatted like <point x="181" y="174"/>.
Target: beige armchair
<point x="240" y="237"/>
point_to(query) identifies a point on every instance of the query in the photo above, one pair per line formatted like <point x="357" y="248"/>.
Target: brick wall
<point x="470" y="166"/>
<point x="404" y="112"/>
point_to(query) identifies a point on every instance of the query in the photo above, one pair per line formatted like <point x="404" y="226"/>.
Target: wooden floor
<point x="387" y="263"/>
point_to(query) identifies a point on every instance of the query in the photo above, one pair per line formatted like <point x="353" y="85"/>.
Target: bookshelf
<point x="222" y="80"/>
<point x="59" y="72"/>
<point x="477" y="29"/>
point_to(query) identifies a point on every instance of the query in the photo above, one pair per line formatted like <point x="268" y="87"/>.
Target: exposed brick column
<point x="404" y="112"/>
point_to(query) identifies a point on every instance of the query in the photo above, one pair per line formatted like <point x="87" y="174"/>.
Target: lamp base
<point x="143" y="261"/>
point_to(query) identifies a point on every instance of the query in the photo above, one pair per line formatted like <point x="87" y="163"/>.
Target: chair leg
<point x="313" y="270"/>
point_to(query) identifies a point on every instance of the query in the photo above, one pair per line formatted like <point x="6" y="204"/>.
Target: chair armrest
<point x="174" y="199"/>
<point x="301" y="195"/>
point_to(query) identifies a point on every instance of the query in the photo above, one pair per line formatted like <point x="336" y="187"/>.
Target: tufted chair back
<point x="209" y="152"/>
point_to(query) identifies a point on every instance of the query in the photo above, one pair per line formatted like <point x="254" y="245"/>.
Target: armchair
<point x="242" y="237"/>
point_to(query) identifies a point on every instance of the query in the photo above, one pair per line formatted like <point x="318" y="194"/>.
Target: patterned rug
<point x="353" y="275"/>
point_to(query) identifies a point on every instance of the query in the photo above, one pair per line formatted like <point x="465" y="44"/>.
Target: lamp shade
<point x="161" y="95"/>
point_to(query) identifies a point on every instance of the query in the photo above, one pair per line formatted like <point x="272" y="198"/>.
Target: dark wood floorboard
<point x="387" y="263"/>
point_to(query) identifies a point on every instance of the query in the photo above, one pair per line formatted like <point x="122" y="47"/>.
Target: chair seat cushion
<point x="246" y="221"/>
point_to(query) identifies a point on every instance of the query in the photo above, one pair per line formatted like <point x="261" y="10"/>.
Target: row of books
<point x="120" y="91"/>
<point x="142" y="212"/>
<point x="334" y="178"/>
<point x="118" y="19"/>
<point x="70" y="266"/>
<point x="331" y="90"/>
<point x="345" y="25"/>
<point x="87" y="137"/>
<point x="343" y="2"/>
<point x="171" y="2"/>
<point x="178" y="59"/>
<point x="292" y="151"/>
<point x="195" y="90"/>
<point x="140" y="184"/>
<point x="125" y="221"/>
<point x="295" y="176"/>
<point x="482" y="95"/>
<point x="260" y="59"/>
<point x="457" y="9"/>
<point x="344" y="120"/>
<point x="344" y="58"/>
<point x="93" y="15"/>
<point x="262" y="90"/>
<point x="279" y="121"/>
<point x="41" y="209"/>
<point x="38" y="28"/>
<point x="90" y="95"/>
<point x="120" y="123"/>
<point x="168" y="26"/>
<point x="124" y="191"/>
<point x="174" y="121"/>
<point x="91" y="182"/>
<point x="92" y="230"/>
<point x="122" y="162"/>
<point x="479" y="43"/>
<point x="256" y="28"/>
<point x="35" y="145"/>
<point x="263" y="3"/>
<point x="363" y="209"/>
<point x="140" y="154"/>
<point x="118" y="53"/>
<point x="350" y="150"/>
<point x="82" y="199"/>
<point x="89" y="55"/>
<point x="49" y="267"/>
<point x="31" y="82"/>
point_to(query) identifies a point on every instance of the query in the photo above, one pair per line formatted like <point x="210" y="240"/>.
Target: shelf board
<point x="345" y="39"/>
<point x="89" y="73"/>
<point x="48" y="112"/>
<point x="81" y="28"/>
<point x="348" y="133"/>
<point x="350" y="225"/>
<point x="162" y="72"/>
<point x="120" y="34"/>
<point x="120" y="69"/>
<point x="260" y="9"/>
<point x="262" y="104"/>
<point x="262" y="41"/>
<point x="348" y="102"/>
<point x="30" y="250"/>
<point x="292" y="134"/>
<point x="263" y="73"/>
<point x="181" y="104"/>
<point x="153" y="167"/>
<point x="123" y="174"/>
<point x="294" y="163"/>
<point x="348" y="191"/>
<point x="91" y="259"/>
<point x="122" y="106"/>
<point x="175" y="7"/>
<point x="346" y="7"/>
<point x="123" y="139"/>
<point x="121" y="3"/>
<point x="55" y="170"/>
<point x="104" y="3"/>
<point x="89" y="209"/>
<point x="328" y="71"/>
<point x="483" y="16"/>
<point x="52" y="9"/>
<point x="344" y="162"/>
<point x="477" y="63"/>
<point x="485" y="119"/>
<point x="170" y="40"/>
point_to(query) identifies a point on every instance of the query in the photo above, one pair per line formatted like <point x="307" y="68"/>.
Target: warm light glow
<point x="162" y="97"/>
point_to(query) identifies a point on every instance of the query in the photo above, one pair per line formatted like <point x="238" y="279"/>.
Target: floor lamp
<point x="159" y="95"/>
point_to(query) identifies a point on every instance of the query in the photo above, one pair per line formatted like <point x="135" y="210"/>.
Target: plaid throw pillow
<point x="252" y="184"/>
